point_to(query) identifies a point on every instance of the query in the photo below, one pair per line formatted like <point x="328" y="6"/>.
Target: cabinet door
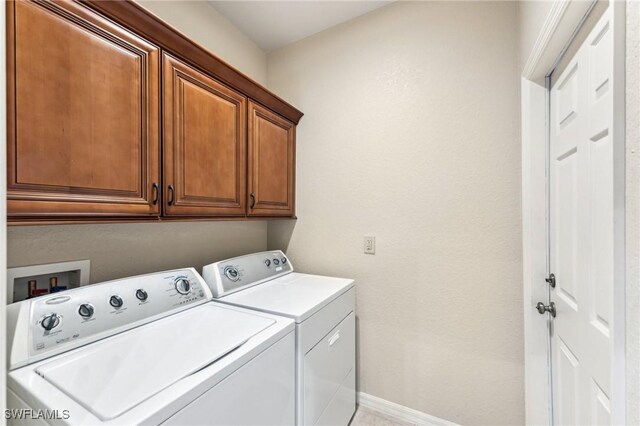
<point x="204" y="144"/>
<point x="271" y="163"/>
<point x="83" y="115"/>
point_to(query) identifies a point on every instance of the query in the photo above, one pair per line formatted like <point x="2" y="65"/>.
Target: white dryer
<point x="151" y="349"/>
<point x="323" y="309"/>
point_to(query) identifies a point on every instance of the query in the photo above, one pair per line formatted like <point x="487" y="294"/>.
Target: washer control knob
<point x="231" y="273"/>
<point x="183" y="286"/>
<point x="276" y="262"/>
<point x="116" y="301"/>
<point x="283" y="260"/>
<point x="86" y="310"/>
<point x="267" y="262"/>
<point x="141" y="295"/>
<point x="50" y="322"/>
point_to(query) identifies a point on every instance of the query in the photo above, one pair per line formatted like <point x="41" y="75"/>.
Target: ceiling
<point x="273" y="24"/>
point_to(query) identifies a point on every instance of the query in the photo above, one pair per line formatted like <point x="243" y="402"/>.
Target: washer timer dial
<point x="183" y="286"/>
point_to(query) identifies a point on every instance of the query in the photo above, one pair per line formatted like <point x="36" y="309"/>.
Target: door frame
<point x="563" y="22"/>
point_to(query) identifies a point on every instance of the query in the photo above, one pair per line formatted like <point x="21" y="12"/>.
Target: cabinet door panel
<point x="204" y="144"/>
<point x="271" y="163"/>
<point x="83" y="114"/>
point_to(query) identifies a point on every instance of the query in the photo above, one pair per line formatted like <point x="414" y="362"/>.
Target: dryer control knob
<point x="116" y="301"/>
<point x="183" y="286"/>
<point x="283" y="260"/>
<point x="86" y="310"/>
<point x="50" y="322"/>
<point x="267" y="262"/>
<point x="231" y="273"/>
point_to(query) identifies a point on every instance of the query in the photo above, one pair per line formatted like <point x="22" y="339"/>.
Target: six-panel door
<point x="204" y="148"/>
<point x="83" y="137"/>
<point x="582" y="235"/>
<point x="271" y="163"/>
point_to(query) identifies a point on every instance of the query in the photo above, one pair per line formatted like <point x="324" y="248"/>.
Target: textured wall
<point x="411" y="134"/>
<point x="632" y="222"/>
<point x="129" y="249"/>
<point x="118" y="250"/>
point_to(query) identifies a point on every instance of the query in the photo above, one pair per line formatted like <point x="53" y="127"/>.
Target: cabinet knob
<point x="253" y="200"/>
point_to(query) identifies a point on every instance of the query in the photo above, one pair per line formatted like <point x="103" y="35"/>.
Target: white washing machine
<point x="323" y="309"/>
<point x="151" y="349"/>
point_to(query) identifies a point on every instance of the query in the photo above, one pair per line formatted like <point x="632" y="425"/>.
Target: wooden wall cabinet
<point x="83" y="108"/>
<point x="204" y="144"/>
<point x="86" y="140"/>
<point x="271" y="163"/>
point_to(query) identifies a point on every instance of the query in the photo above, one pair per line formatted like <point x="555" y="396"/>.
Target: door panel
<point x="566" y="200"/>
<point x="271" y="163"/>
<point x="601" y="407"/>
<point x="204" y="144"/>
<point x="567" y="385"/>
<point x="83" y="129"/>
<point x="582" y="232"/>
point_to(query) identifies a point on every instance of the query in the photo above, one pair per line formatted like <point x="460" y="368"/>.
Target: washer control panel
<point x="231" y="275"/>
<point x="76" y="317"/>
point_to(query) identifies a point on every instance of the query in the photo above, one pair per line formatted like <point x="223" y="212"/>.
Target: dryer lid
<point x="296" y="296"/>
<point x="110" y="377"/>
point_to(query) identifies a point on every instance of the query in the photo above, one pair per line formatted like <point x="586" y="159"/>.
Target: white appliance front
<point x="323" y="308"/>
<point x="203" y="364"/>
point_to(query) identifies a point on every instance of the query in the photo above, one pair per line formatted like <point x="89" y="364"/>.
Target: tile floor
<point x="366" y="417"/>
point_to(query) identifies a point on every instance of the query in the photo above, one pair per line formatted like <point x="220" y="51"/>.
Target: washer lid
<point x="294" y="295"/>
<point x="114" y="375"/>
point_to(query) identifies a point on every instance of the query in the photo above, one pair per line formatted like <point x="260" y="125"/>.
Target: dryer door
<point x="327" y="370"/>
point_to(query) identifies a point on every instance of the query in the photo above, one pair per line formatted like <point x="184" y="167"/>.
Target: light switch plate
<point x="369" y="244"/>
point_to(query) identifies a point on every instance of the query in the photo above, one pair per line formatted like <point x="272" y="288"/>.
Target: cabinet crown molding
<point x="135" y="17"/>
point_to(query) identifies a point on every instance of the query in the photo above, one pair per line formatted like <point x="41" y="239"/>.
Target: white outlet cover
<point x="369" y="244"/>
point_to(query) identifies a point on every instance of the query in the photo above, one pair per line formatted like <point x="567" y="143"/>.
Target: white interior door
<point x="582" y="232"/>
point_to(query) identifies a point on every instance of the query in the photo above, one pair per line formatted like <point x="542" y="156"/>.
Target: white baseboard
<point x="400" y="412"/>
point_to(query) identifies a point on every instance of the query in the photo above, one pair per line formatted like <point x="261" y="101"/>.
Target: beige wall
<point x="411" y="134"/>
<point x="118" y="250"/>
<point x="135" y="248"/>
<point x="531" y="18"/>
<point x="205" y="25"/>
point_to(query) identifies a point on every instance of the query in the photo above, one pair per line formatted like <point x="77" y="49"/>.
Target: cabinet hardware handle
<point x="156" y="193"/>
<point x="171" y="195"/>
<point x="253" y="200"/>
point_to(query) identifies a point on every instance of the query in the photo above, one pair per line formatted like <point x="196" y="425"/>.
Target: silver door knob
<point x="542" y="308"/>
